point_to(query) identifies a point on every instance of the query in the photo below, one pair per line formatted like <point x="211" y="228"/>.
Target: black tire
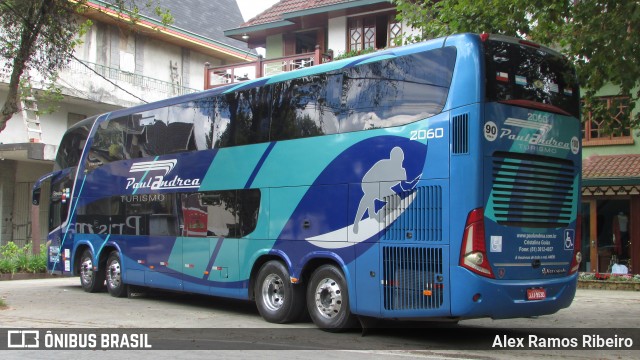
<point x="113" y="276"/>
<point x="278" y="300"/>
<point x="91" y="280"/>
<point x="328" y="300"/>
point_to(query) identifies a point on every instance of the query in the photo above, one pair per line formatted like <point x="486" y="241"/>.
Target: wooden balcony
<point x="234" y="73"/>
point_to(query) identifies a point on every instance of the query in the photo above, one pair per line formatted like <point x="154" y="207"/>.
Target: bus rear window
<point x="530" y="77"/>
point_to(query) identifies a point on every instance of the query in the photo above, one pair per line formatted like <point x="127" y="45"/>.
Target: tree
<point x="39" y="36"/>
<point x="600" y="36"/>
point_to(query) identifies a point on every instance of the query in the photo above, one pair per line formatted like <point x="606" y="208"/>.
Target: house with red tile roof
<point x="291" y="31"/>
<point x="610" y="187"/>
<point x="295" y="26"/>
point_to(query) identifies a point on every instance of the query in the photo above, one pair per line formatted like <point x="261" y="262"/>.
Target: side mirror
<point x="35" y="192"/>
<point x="35" y="199"/>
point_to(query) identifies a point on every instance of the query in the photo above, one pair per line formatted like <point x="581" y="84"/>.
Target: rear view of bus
<point x="520" y="250"/>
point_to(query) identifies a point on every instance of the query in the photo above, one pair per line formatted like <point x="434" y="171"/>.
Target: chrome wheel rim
<point x="328" y="298"/>
<point x="113" y="274"/>
<point x="273" y="296"/>
<point x="86" y="270"/>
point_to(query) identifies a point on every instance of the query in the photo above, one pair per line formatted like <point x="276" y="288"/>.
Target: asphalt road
<point x="236" y="330"/>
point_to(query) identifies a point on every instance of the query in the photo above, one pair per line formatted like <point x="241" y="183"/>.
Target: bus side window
<point x="248" y="210"/>
<point x="307" y="106"/>
<point x="108" y="144"/>
<point x="222" y="132"/>
<point x="397" y="91"/>
<point x="203" y="122"/>
<point x="179" y="129"/>
<point x="221" y="210"/>
<point x="228" y="213"/>
<point x="242" y="118"/>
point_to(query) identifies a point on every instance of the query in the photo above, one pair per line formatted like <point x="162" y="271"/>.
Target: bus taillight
<point x="577" y="246"/>
<point x="473" y="254"/>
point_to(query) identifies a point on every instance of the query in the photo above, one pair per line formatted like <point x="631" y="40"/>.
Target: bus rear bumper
<point x="475" y="296"/>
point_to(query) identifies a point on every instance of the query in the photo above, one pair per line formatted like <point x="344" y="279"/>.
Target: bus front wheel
<point x="328" y="300"/>
<point x="277" y="299"/>
<point x="90" y="279"/>
<point x="113" y="274"/>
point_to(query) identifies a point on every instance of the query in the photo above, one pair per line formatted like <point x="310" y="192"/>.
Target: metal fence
<point x="117" y="75"/>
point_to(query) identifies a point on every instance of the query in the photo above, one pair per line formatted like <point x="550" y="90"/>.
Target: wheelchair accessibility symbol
<point x="569" y="239"/>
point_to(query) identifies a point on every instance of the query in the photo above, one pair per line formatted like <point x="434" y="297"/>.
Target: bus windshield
<point x="530" y="76"/>
<point x="72" y="144"/>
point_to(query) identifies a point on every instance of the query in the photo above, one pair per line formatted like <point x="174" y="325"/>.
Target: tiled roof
<point x="611" y="167"/>
<point x="203" y="17"/>
<point x="275" y="12"/>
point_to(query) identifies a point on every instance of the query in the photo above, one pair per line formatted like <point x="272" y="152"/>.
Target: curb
<point x="26" y="276"/>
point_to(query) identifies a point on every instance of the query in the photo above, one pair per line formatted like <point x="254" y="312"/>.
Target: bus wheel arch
<point x="278" y="299"/>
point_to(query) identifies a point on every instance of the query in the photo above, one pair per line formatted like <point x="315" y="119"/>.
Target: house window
<point x="614" y="129"/>
<point x="375" y="31"/>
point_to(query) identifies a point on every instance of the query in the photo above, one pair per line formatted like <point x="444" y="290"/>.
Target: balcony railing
<point x="229" y="74"/>
<point x="139" y="81"/>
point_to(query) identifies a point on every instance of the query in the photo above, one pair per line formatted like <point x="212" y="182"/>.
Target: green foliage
<point x="14" y="259"/>
<point x="601" y="37"/>
<point x="39" y="36"/>
<point x="10" y="250"/>
<point x="610" y="277"/>
<point x="353" y="53"/>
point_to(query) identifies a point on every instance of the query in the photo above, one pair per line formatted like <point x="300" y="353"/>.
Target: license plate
<point x="536" y="294"/>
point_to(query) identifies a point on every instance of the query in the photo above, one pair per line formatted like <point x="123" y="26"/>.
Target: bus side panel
<point x="159" y="256"/>
<point x="415" y="281"/>
<point x="467" y="87"/>
<point x="366" y="297"/>
<point x="414" y="253"/>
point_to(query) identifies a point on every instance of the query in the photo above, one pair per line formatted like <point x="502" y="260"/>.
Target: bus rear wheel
<point x="328" y="300"/>
<point x="113" y="275"/>
<point x="91" y="280"/>
<point x="277" y="299"/>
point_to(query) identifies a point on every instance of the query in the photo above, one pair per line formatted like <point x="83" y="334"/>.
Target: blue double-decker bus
<point x="438" y="180"/>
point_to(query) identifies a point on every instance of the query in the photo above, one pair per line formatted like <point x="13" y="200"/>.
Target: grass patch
<point x="3" y="304"/>
<point x="14" y="259"/>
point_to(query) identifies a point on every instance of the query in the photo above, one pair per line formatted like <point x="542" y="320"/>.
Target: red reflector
<point x="529" y="43"/>
<point x="484" y="37"/>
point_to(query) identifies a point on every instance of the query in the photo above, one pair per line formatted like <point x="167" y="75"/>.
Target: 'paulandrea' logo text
<point x="158" y="182"/>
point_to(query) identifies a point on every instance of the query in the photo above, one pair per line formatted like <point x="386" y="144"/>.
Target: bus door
<point x="60" y="238"/>
<point x="160" y="248"/>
